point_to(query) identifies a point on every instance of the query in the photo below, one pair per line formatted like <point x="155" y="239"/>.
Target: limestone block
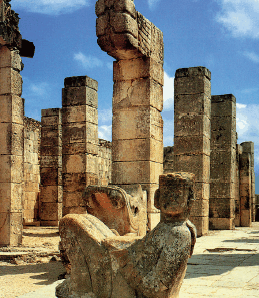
<point x="222" y="208"/>
<point x="73" y="199"/>
<point x="200" y="208"/>
<point x="10" y="82"/>
<point x="222" y="190"/>
<point x="247" y="147"/>
<point x="127" y="5"/>
<point x="11" y="139"/>
<point x="76" y="96"/>
<point x="138" y="172"/>
<point x="52" y="112"/>
<point x="121" y="23"/>
<point x="201" y="223"/>
<point x="137" y="123"/>
<point x="31" y="186"/>
<point x="221" y="224"/>
<point x="191" y="126"/>
<point x="192" y="104"/>
<point x="74" y="163"/>
<point x="222" y="141"/>
<point x="77" y="114"/>
<point x="12" y="109"/>
<point x="51" y="121"/>
<point x="11" y="196"/>
<point x="197" y="164"/>
<point x="51" y="194"/>
<point x="153" y="220"/>
<point x="11" y="169"/>
<point x="51" y="150"/>
<point x="73" y="210"/>
<point x="246" y="218"/>
<point x="11" y="231"/>
<point x="137" y="150"/>
<point x="51" y="176"/>
<point x="80" y="81"/>
<point x="74" y="182"/>
<point x="138" y="68"/>
<point x="140" y="92"/>
<point x="193" y="80"/>
<point x="224" y="125"/>
<point x="10" y="59"/>
<point x="157" y="43"/>
<point x="80" y="148"/>
<point x="202" y="191"/>
<point x="192" y="145"/>
<point x="48" y="211"/>
<point x="80" y="133"/>
<point x="223" y="105"/>
<point x="51" y="161"/>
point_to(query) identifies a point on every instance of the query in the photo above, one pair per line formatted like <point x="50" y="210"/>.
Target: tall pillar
<point x="192" y="112"/>
<point x="51" y="167"/>
<point x="223" y="162"/>
<point x="137" y="127"/>
<point x="246" y="173"/>
<point x="80" y="141"/>
<point x="12" y="147"/>
<point x="237" y="188"/>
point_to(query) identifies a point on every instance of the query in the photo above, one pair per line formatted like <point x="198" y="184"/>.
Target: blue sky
<point x="222" y="35"/>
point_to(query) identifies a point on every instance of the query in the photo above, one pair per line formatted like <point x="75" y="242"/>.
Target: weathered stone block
<point x="224" y="125"/>
<point x="192" y="104"/>
<point x="48" y="211"/>
<point x="51" y="194"/>
<point x="221" y="224"/>
<point x="80" y="148"/>
<point x="191" y="126"/>
<point x="73" y="199"/>
<point x="223" y="105"/>
<point x="51" y="161"/>
<point x="11" y="169"/>
<point x="51" y="176"/>
<point x="121" y="23"/>
<point x="138" y="68"/>
<point x="74" y="163"/>
<point x="52" y="112"/>
<point x="222" y="141"/>
<point x="11" y="139"/>
<point x="102" y="5"/>
<point x="137" y="149"/>
<point x="74" y="182"/>
<point x="137" y="123"/>
<point x="138" y="172"/>
<point x="11" y="196"/>
<point x="12" y="109"/>
<point x="200" y="207"/>
<point x="76" y="96"/>
<point x="10" y="82"/>
<point x="51" y="150"/>
<point x="192" y="145"/>
<point x="222" y="208"/>
<point x="78" y="114"/>
<point x="144" y="92"/>
<point x="247" y="147"/>
<point x="153" y="220"/>
<point x="10" y="59"/>
<point x="51" y="121"/>
<point x="222" y="190"/>
<point x="197" y="164"/>
<point x="81" y="81"/>
<point x="201" y="223"/>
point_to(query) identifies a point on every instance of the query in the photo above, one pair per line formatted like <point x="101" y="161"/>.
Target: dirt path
<point x="31" y="266"/>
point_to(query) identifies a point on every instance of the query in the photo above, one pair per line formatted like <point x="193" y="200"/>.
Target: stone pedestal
<point x="51" y="167"/>
<point x="223" y="162"/>
<point x="192" y="112"/>
<point x="12" y="147"/>
<point x="80" y="140"/>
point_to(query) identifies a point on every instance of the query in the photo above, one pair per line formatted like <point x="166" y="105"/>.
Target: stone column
<point x="51" y="167"/>
<point x="137" y="127"/>
<point x="223" y="162"/>
<point x="246" y="172"/>
<point x="192" y="112"/>
<point x="12" y="147"/>
<point x="237" y="188"/>
<point x="80" y="140"/>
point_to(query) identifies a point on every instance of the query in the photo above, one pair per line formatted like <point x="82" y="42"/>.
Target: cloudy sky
<point x="222" y="35"/>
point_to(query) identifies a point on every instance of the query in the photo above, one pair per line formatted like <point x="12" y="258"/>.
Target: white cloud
<point x="87" y="61"/>
<point x="252" y="56"/>
<point x="241" y="106"/>
<point x="105" y="132"/>
<point x="152" y="3"/>
<point x="52" y="7"/>
<point x="240" y="17"/>
<point x="168" y="92"/>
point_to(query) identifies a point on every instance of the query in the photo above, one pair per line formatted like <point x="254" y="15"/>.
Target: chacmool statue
<point x="105" y="265"/>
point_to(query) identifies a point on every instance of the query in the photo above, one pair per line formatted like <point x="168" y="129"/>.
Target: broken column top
<point x="50" y="112"/>
<point x="81" y="81"/>
<point x="193" y="71"/>
<point x="248" y="147"/>
<point x="224" y="97"/>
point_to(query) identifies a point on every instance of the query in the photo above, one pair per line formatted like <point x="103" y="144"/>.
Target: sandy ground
<point x="39" y="266"/>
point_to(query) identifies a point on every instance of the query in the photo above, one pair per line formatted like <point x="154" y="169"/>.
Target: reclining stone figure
<point x="105" y="265"/>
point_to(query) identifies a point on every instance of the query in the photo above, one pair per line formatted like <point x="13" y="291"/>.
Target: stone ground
<point x="224" y="264"/>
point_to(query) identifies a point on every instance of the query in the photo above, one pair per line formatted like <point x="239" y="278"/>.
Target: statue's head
<point x="175" y="194"/>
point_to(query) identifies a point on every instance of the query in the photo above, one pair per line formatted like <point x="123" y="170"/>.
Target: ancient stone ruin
<point x="46" y="166"/>
<point x="104" y="264"/>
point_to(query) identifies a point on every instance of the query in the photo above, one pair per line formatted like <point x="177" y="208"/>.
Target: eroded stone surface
<point x="106" y="265"/>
